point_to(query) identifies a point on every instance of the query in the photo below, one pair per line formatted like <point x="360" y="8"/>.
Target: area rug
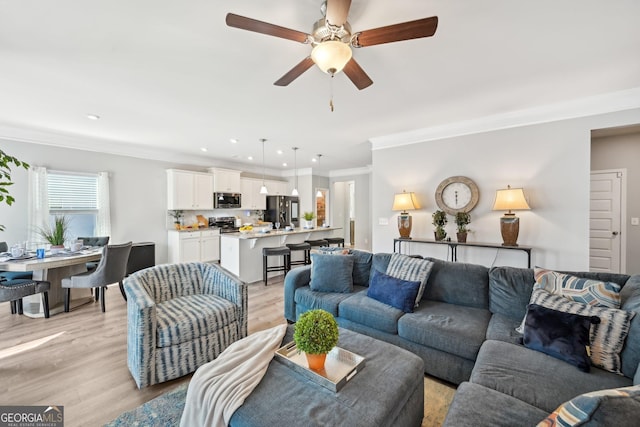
<point x="165" y="410"/>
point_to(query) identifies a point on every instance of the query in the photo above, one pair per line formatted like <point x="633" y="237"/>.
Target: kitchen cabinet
<point x="251" y="197"/>
<point x="278" y="188"/>
<point x="189" y="190"/>
<point x="226" y="180"/>
<point x="194" y="246"/>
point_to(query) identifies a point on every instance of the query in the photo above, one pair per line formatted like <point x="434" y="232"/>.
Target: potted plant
<point x="316" y="333"/>
<point x="308" y="218"/>
<point x="57" y="235"/>
<point x="440" y="220"/>
<point x="462" y="220"/>
<point x="177" y="218"/>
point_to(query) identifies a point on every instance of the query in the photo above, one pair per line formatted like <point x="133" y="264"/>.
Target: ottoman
<point x="388" y="391"/>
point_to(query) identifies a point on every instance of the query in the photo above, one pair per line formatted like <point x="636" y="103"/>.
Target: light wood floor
<point x="79" y="360"/>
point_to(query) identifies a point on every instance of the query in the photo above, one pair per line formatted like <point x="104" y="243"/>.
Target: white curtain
<point x="103" y="221"/>
<point x="38" y="203"/>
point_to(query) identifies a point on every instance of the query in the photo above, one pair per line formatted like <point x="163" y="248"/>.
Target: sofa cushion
<point x="607" y="337"/>
<point x="630" y="355"/>
<point x="510" y="290"/>
<point x="413" y="269"/>
<point x="396" y="292"/>
<point x="446" y="327"/>
<point x="359" y="308"/>
<point x="474" y="405"/>
<point x="380" y="261"/>
<point x="612" y="407"/>
<point x="186" y="318"/>
<point x="458" y="283"/>
<point x="503" y="328"/>
<point x="327" y="301"/>
<point x="536" y="378"/>
<point x="564" y="336"/>
<point x="331" y="273"/>
<point x="361" y="262"/>
<point x="579" y="289"/>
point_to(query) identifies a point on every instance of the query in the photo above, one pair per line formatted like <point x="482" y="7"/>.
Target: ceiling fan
<point x="332" y="40"/>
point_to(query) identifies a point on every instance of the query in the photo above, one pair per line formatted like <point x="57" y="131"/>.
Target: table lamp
<point x="403" y="202"/>
<point x="510" y="199"/>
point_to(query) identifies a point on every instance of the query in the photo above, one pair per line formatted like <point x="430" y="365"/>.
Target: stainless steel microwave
<point x="226" y="200"/>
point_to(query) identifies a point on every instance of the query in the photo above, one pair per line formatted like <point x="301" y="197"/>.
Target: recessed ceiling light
<point x="204" y="149"/>
<point x="279" y="151"/>
<point x="314" y="160"/>
<point x="284" y="164"/>
<point x="93" y="116"/>
<point x="233" y="141"/>
<point x="250" y="158"/>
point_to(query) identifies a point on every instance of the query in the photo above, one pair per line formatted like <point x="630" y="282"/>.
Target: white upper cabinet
<point x="251" y="197"/>
<point x="226" y="180"/>
<point x="189" y="190"/>
<point x="278" y="188"/>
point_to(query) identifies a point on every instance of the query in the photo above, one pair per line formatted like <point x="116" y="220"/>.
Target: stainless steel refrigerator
<point x="283" y="209"/>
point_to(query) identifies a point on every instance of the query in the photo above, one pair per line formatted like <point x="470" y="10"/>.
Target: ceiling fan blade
<point x="357" y="75"/>
<point x="337" y="11"/>
<point x="254" y="25"/>
<point x="295" y="72"/>
<point x="425" y="27"/>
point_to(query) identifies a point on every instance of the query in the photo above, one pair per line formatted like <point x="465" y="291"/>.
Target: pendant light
<point x="263" y="189"/>
<point x="319" y="193"/>
<point x="295" y="171"/>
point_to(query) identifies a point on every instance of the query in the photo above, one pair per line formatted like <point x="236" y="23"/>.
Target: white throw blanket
<point x="220" y="387"/>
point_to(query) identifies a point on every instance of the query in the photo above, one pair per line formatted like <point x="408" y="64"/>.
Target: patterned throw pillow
<point x="412" y="269"/>
<point x="587" y="291"/>
<point x="612" y="407"/>
<point x="606" y="338"/>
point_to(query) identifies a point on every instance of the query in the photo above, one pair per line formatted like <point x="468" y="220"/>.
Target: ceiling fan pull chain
<point x="331" y="93"/>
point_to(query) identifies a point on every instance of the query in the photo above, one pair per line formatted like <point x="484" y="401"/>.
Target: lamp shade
<point x="331" y="56"/>
<point x="510" y="199"/>
<point x="404" y="201"/>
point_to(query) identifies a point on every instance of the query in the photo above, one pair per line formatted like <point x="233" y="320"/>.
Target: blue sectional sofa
<point x="465" y="331"/>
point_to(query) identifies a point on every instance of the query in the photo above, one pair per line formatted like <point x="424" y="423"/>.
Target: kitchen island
<point x="241" y="254"/>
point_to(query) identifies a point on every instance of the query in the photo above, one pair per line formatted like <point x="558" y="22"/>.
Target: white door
<point x="606" y="252"/>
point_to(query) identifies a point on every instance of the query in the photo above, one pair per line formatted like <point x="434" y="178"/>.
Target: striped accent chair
<point x="180" y="316"/>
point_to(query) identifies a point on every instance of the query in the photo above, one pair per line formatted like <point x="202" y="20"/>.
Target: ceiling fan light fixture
<point x="331" y="56"/>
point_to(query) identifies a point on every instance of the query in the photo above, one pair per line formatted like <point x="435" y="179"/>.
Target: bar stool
<point x="306" y="247"/>
<point x="339" y="241"/>
<point x="317" y="243"/>
<point x="282" y="251"/>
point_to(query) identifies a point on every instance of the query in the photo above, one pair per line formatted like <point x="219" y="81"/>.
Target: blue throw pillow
<point x="398" y="293"/>
<point x="562" y="335"/>
<point x="330" y="273"/>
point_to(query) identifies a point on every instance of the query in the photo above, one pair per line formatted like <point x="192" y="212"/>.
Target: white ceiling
<point x="169" y="77"/>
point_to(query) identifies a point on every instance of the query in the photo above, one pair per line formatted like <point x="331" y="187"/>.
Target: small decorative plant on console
<point x="439" y="220"/>
<point x="177" y="218"/>
<point x="462" y="220"/>
<point x="316" y="333"/>
<point x="57" y="234"/>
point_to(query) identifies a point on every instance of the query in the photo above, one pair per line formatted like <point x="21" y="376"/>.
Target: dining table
<point x="53" y="268"/>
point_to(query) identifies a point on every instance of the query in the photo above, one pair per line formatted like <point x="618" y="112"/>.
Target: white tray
<point x="340" y="367"/>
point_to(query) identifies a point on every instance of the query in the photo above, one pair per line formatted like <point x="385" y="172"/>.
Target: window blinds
<point x="72" y="192"/>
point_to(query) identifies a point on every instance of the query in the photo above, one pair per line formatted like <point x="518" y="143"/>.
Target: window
<point x="75" y="196"/>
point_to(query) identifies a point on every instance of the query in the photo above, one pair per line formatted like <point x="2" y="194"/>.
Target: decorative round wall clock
<point x="457" y="194"/>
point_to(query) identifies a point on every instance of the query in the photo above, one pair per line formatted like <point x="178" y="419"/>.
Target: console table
<point x="453" y="246"/>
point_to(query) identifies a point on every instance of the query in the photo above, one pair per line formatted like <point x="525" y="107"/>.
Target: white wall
<point x="551" y="161"/>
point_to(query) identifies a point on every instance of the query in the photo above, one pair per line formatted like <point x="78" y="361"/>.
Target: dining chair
<point x="97" y="242"/>
<point x="13" y="275"/>
<point x="112" y="268"/>
<point x="14" y="290"/>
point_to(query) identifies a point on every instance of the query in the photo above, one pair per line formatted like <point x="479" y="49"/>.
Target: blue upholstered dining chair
<point x="112" y="268"/>
<point x="179" y="317"/>
<point x="13" y="275"/>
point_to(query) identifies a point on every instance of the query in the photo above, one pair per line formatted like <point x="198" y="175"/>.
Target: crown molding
<point x="582" y="107"/>
<point x="350" y="172"/>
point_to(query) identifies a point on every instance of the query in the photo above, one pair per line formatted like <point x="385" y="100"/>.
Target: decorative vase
<point x="462" y="237"/>
<point x="307" y="224"/>
<point x="55" y="249"/>
<point x="440" y="234"/>
<point x="316" y="361"/>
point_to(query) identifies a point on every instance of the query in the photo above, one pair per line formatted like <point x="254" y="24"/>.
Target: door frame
<point x="622" y="173"/>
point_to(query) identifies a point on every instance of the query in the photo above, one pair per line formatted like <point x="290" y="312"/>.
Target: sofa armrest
<point x="219" y="282"/>
<point x="630" y="355"/>
<point x="141" y="332"/>
<point x="294" y="279"/>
